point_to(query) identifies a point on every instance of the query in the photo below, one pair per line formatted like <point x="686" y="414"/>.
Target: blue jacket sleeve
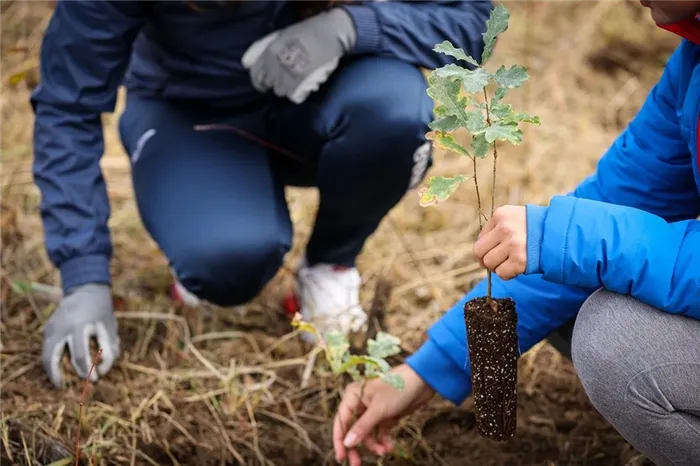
<point x="643" y="191"/>
<point x="593" y="244"/>
<point x="84" y="54"/>
<point x="409" y="30"/>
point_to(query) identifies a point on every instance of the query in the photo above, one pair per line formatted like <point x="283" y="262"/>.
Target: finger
<point x="256" y="49"/>
<point x="383" y="434"/>
<point x="490" y="225"/>
<point x="507" y="270"/>
<point x="348" y="406"/>
<point x="496" y="256"/>
<point x="354" y="457"/>
<point x="109" y="344"/>
<point x="259" y="78"/>
<point x="79" y="347"/>
<point x="372" y="443"/>
<point x="364" y="425"/>
<point x="312" y="82"/>
<point x="486" y="243"/>
<point x="51" y="358"/>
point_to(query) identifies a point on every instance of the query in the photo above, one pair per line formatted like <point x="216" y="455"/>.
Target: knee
<point x="395" y="104"/>
<point x="231" y="271"/>
<point x="382" y="97"/>
<point x="377" y="114"/>
<point x="597" y="349"/>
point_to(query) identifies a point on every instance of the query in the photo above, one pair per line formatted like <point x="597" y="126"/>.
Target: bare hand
<point x="380" y="408"/>
<point x="502" y="244"/>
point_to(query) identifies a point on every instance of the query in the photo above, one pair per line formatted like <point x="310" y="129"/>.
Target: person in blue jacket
<point x="226" y="104"/>
<point x="619" y="258"/>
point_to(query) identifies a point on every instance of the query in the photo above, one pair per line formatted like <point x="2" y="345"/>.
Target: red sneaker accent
<point x="291" y="305"/>
<point x="174" y="295"/>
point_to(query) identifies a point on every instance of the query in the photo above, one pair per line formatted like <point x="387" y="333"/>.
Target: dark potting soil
<point x="493" y="354"/>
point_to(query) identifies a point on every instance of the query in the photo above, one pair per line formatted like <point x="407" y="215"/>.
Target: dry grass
<point x="235" y="386"/>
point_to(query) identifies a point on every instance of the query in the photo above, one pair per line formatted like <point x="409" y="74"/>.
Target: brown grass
<point x="225" y="386"/>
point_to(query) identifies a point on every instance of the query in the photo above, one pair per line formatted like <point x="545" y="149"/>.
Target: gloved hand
<point x="295" y="61"/>
<point x="84" y="313"/>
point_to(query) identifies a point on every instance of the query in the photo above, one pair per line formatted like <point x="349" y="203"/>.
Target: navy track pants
<point x="214" y="201"/>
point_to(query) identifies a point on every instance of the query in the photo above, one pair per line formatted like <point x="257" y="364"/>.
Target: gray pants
<point x="640" y="368"/>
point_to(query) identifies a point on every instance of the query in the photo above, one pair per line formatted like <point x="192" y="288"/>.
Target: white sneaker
<point x="329" y="297"/>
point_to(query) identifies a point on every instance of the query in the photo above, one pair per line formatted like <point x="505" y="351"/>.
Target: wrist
<point x="83" y="270"/>
<point x="535" y="216"/>
<point x="366" y="26"/>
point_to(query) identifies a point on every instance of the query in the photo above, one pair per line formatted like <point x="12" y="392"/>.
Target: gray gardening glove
<point x="295" y="61"/>
<point x="84" y="313"/>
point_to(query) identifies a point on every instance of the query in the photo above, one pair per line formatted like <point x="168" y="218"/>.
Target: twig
<point x="376" y="314"/>
<point x="482" y="217"/>
<point x="251" y="137"/>
<point x="224" y="433"/>
<point x="493" y="191"/>
<point x="80" y="409"/>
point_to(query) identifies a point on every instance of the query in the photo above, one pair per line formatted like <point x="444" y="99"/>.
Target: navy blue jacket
<point x="166" y="50"/>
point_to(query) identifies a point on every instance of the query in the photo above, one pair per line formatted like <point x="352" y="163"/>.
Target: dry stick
<point x="478" y="196"/>
<point x="80" y="410"/>
<point x="493" y="191"/>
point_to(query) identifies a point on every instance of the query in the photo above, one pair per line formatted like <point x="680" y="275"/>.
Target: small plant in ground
<point x="336" y="348"/>
<point x="481" y="113"/>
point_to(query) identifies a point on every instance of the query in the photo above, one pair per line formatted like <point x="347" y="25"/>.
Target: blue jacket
<point x="631" y="228"/>
<point x="166" y="50"/>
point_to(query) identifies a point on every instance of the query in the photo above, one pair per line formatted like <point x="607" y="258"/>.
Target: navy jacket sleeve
<point x="629" y="227"/>
<point x="84" y="54"/>
<point x="409" y="30"/>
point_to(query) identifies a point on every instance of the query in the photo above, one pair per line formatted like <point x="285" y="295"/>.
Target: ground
<point x="230" y="386"/>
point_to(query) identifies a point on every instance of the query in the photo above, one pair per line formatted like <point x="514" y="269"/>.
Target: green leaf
<point x="304" y="327"/>
<point x="495" y="25"/>
<point x="512" y="77"/>
<point x="439" y="189"/>
<point x="395" y="380"/>
<point x="371" y="372"/>
<point x="441" y="111"/>
<point x="472" y="80"/>
<point x="367" y="361"/>
<point x="500" y="94"/>
<point x="447" y="141"/>
<point x="476" y="80"/>
<point x="480" y="145"/>
<point x="504" y="112"/>
<point x="354" y="373"/>
<point x="447" y="48"/>
<point x="501" y="110"/>
<point x="338" y="349"/>
<point x="525" y="118"/>
<point x="503" y="132"/>
<point x="446" y="92"/>
<point x="445" y="124"/>
<point x="475" y="121"/>
<point x="383" y="346"/>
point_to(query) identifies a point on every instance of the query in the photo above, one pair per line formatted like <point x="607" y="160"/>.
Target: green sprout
<point x="336" y="347"/>
<point x="458" y="91"/>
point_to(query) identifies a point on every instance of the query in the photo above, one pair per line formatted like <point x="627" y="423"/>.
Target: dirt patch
<point x="159" y="407"/>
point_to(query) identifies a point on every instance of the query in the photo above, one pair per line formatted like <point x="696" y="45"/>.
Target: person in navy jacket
<point x="614" y="267"/>
<point x="227" y="103"/>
